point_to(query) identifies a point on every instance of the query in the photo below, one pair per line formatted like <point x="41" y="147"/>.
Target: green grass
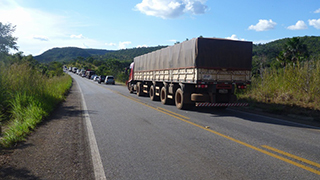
<point x="27" y="98"/>
<point x="294" y="86"/>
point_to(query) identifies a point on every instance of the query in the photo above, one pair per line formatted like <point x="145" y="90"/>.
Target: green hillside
<point x="264" y="54"/>
<point x="271" y="50"/>
<point x="66" y="54"/>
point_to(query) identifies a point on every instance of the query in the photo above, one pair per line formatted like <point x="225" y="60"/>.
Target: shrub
<point x="30" y="96"/>
<point x="295" y="85"/>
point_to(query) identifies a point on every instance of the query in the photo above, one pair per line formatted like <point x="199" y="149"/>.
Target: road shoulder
<point x="57" y="149"/>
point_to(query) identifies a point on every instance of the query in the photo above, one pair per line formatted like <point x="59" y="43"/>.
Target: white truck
<point x="197" y="72"/>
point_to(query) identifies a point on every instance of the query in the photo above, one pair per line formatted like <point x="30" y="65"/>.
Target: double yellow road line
<point x="273" y="152"/>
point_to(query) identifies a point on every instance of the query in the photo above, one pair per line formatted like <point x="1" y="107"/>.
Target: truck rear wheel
<point x="139" y="89"/>
<point x="182" y="100"/>
<point x="129" y="86"/>
<point x="164" y="96"/>
<point x="152" y="94"/>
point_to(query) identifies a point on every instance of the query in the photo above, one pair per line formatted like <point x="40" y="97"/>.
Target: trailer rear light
<point x="242" y="86"/>
<point x="202" y="86"/>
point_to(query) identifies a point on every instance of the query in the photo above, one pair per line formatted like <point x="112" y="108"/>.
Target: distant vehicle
<point x="70" y="69"/>
<point x="102" y="78"/>
<point x="93" y="76"/>
<point x="109" y="80"/>
<point x="83" y="73"/>
<point x="89" y="74"/>
<point x="96" y="78"/>
<point x="74" y="69"/>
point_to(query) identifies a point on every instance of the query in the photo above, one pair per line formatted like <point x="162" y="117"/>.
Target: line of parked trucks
<point x="92" y="75"/>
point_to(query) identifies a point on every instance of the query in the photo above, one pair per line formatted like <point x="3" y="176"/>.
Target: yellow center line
<point x="257" y="149"/>
<point x="173" y="113"/>
<point x="165" y="111"/>
<point x="292" y="156"/>
<point x="184" y="119"/>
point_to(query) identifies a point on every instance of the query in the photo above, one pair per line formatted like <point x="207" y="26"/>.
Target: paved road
<point x="141" y="139"/>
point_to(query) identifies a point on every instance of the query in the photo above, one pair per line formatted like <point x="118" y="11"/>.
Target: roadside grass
<point x="27" y="98"/>
<point x="295" y="89"/>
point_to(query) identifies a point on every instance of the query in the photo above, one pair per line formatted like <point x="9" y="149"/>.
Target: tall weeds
<point x="28" y="97"/>
<point x="297" y="85"/>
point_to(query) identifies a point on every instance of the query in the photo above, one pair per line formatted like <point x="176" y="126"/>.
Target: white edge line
<point x="95" y="155"/>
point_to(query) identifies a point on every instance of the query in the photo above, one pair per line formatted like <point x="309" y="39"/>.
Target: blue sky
<point x="119" y="24"/>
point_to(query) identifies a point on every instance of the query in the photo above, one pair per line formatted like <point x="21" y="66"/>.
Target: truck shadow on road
<point x="259" y="117"/>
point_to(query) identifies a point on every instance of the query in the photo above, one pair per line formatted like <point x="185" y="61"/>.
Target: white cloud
<point x="80" y="36"/>
<point x="315" y="23"/>
<point x="263" y="25"/>
<point x="41" y="38"/>
<point x="33" y="25"/>
<point x="38" y="31"/>
<point x="263" y="41"/>
<point x="122" y="45"/>
<point x="110" y="44"/>
<point x="171" y="8"/>
<point x="234" y="37"/>
<point x="317" y="11"/>
<point x="298" y="26"/>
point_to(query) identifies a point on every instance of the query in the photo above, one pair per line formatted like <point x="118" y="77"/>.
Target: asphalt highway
<point x="137" y="138"/>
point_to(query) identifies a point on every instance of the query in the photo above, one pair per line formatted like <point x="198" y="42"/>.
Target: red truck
<point x="197" y="72"/>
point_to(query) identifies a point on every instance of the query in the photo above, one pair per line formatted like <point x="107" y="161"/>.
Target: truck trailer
<point x="196" y="72"/>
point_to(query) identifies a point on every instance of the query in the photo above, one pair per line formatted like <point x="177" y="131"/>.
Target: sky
<point x="119" y="24"/>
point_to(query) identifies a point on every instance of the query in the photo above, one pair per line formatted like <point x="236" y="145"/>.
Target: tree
<point x="293" y="51"/>
<point x="7" y="41"/>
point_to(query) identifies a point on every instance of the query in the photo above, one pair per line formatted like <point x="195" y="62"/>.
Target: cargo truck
<point x="196" y="72"/>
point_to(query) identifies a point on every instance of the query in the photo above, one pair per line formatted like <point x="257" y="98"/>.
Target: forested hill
<point x="66" y="54"/>
<point x="261" y="52"/>
<point x="70" y="53"/>
<point x="272" y="49"/>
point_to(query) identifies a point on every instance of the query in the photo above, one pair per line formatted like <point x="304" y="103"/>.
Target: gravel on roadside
<point x="57" y="149"/>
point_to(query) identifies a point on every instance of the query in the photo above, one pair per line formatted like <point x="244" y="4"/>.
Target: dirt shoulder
<point x="57" y="149"/>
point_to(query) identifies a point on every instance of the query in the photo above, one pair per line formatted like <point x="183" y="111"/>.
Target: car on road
<point x="89" y="74"/>
<point x="109" y="80"/>
<point x="93" y="76"/>
<point x="96" y="78"/>
<point x="102" y="78"/>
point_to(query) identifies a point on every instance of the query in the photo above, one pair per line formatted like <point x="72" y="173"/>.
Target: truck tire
<point x="130" y="88"/>
<point x="139" y="89"/>
<point x="152" y="94"/>
<point x="164" y="96"/>
<point x="183" y="100"/>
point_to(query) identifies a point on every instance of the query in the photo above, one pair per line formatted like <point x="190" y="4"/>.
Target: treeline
<point x="68" y="54"/>
<point x="47" y="69"/>
<point x="102" y="66"/>
<point x="128" y="54"/>
<point x="265" y="55"/>
<point x="112" y="63"/>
